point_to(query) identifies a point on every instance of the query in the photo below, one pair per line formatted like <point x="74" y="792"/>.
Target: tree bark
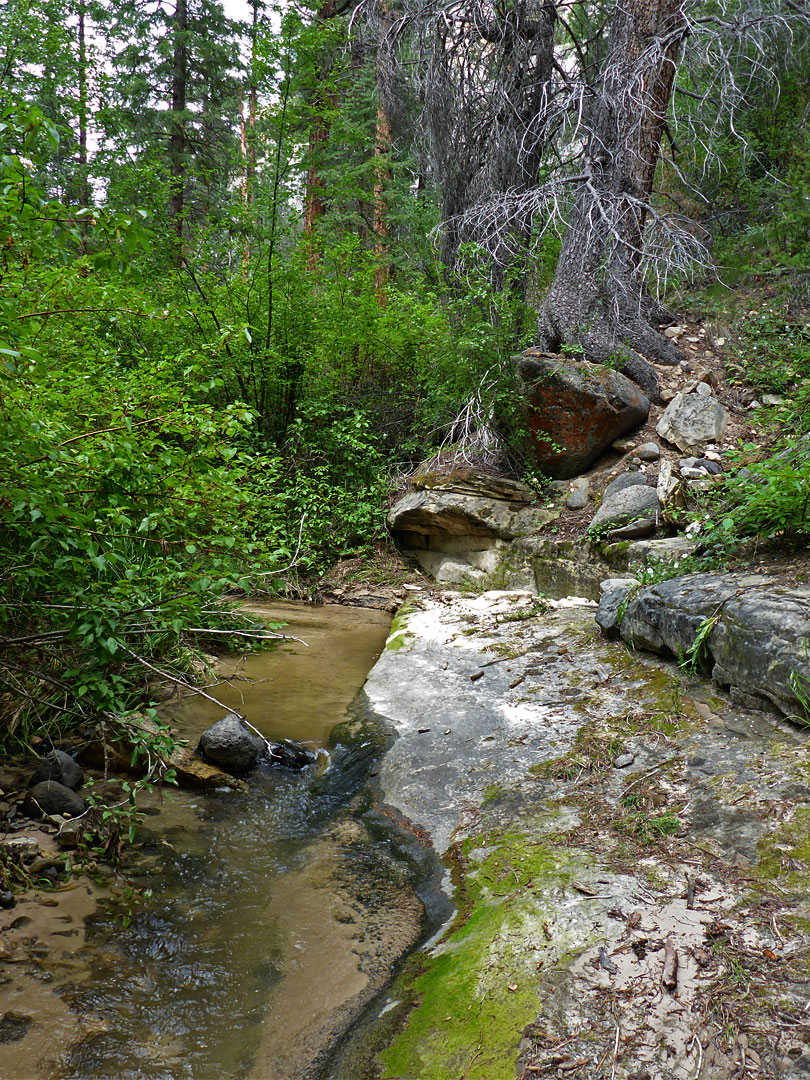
<point x="320" y="127"/>
<point x="382" y="168"/>
<point x="598" y="299"/>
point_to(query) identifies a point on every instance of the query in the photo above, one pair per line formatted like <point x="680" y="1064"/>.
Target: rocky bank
<point x="626" y="849"/>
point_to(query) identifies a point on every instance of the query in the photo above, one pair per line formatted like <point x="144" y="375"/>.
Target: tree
<point x="548" y="118"/>
<point x="599" y="298"/>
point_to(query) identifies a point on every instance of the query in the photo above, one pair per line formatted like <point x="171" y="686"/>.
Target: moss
<point x="785" y="853"/>
<point x="399" y="636"/>
<point x="479" y="988"/>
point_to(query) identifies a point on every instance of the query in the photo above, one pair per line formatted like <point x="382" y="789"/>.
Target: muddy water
<point x="274" y="915"/>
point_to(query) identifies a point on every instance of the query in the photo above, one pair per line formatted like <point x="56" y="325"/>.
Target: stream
<point x="271" y="918"/>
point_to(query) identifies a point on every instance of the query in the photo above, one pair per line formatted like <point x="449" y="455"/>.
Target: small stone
<point x="623" y="446"/>
<point x="70" y="833"/>
<point x="703" y="389"/>
<point x="772" y="399"/>
<point x="649" y="451"/>
<point x="692" y="472"/>
<point x="20" y="846"/>
<point x="709" y="376"/>
<point x="290" y="755"/>
<point x="674" y="332"/>
<point x="623" y="760"/>
<point x="635" y="530"/>
<point x="7" y="900"/>
<point x="719" y="342"/>
<point x="686" y="366"/>
<point x="667" y="394"/>
<point x="755" y="404"/>
<point x="710" y="465"/>
<point x="579" y="493"/>
<point x="693" y="340"/>
<point x="711" y="455"/>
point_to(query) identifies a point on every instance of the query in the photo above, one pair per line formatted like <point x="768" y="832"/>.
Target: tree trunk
<point x="84" y="179"/>
<point x="323" y="105"/>
<point x="177" y="140"/>
<point x="598" y="299"/>
<point x="382" y="168"/>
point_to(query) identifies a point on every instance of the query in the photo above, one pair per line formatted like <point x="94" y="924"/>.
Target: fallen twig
<point x="669" y="976"/>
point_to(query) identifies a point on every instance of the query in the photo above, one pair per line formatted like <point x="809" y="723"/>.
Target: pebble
<point x="649" y="451"/>
<point x="7" y="899"/>
<point x="703" y="389"/>
<point x="623" y="760"/>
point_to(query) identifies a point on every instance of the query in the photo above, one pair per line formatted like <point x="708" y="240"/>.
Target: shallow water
<point x="274" y="915"/>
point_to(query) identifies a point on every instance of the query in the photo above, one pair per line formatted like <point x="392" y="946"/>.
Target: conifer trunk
<point x="598" y="298"/>
<point x="177" y="139"/>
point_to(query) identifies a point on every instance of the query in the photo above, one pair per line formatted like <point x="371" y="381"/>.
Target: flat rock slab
<point x="461" y="723"/>
<point x="754" y="631"/>
<point x="572" y="875"/>
<point x="575" y="411"/>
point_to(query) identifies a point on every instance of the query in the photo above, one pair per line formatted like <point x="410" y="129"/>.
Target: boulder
<point x="230" y="744"/>
<point x="50" y="797"/>
<point x="575" y="411"/>
<point x="757" y="634"/>
<point x="692" y="420"/>
<point x="624" y="480"/>
<point x="291" y="755"/>
<point x="453" y="508"/>
<point x="58" y="766"/>
<point x="622" y="507"/>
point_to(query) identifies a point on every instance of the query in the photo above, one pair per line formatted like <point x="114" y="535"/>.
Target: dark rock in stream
<point x="290" y="755"/>
<point x="231" y="745"/>
<point x="49" y="797"/>
<point x="58" y="766"/>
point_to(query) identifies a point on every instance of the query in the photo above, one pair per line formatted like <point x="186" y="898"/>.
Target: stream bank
<point x="627" y="849"/>
<point x="249" y="927"/>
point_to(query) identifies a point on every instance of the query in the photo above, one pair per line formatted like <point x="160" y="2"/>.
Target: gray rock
<point x="649" y="451"/>
<point x="635" y="530"/>
<point x="670" y="490"/>
<point x="691" y="420"/>
<point x="692" y="472"/>
<point x="615" y="595"/>
<point x="58" y="766"/>
<point x="713" y="467"/>
<point x="231" y="745"/>
<point x="772" y="399"/>
<point x="703" y="389"/>
<point x="756" y="645"/>
<point x="575" y="411"/>
<point x="20" y="846"/>
<point x="622" y="481"/>
<point x="579" y="493"/>
<point x="622" y="507"/>
<point x="623" y="760"/>
<point x="50" y="797"/>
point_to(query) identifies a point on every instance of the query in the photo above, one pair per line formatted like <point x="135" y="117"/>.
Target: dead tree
<point x="598" y="298"/>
